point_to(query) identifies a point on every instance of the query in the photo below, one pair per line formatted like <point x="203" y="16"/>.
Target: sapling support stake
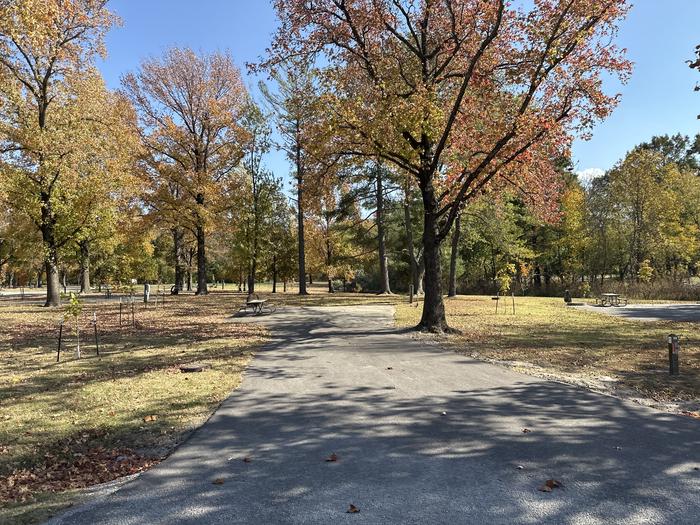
<point x="94" y="323"/>
<point x="60" y="337"/>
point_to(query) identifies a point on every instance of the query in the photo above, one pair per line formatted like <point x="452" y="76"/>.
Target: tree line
<point x="403" y="122"/>
<point x="635" y="228"/>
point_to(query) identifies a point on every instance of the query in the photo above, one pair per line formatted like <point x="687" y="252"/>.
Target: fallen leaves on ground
<point x="97" y="465"/>
<point x="332" y="458"/>
<point x="353" y="509"/>
<point x="119" y="400"/>
<point x="695" y="415"/>
<point x="550" y="484"/>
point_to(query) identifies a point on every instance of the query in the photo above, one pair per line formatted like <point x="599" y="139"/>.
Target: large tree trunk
<point x="274" y="274"/>
<point x="420" y="277"/>
<point x="254" y="254"/>
<point x="48" y="224"/>
<point x="85" y="266"/>
<point x="251" y="275"/>
<point x="177" y="253"/>
<point x="300" y="239"/>
<point x="53" y="293"/>
<point x="384" y="287"/>
<point x="452" y="292"/>
<point x="409" y="245"/>
<point x="300" y="216"/>
<point x="202" y="288"/>
<point x="433" y="318"/>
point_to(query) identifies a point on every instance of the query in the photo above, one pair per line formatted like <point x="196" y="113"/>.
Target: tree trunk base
<point x="441" y="329"/>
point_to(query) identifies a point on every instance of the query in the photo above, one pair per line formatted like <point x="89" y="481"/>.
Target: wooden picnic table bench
<point x="610" y="299"/>
<point x="257" y="305"/>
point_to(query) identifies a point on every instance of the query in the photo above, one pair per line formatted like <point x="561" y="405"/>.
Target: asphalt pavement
<point x="420" y="435"/>
<point x="685" y="312"/>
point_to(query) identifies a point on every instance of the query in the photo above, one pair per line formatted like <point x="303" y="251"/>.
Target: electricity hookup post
<point x="674" y="348"/>
<point x="410" y="294"/>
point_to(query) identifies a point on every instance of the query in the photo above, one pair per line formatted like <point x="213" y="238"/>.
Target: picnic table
<point x="611" y="299"/>
<point x="256" y="305"/>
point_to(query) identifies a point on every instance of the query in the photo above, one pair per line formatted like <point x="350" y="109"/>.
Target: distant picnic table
<point x="256" y="305"/>
<point x="611" y="299"/>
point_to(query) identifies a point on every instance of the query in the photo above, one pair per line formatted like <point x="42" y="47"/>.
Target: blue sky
<point x="660" y="36"/>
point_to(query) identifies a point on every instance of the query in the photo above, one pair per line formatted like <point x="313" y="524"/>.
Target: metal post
<point x="94" y="322"/>
<point x="120" y="311"/>
<point x="674" y="348"/>
<point x="60" y="337"/>
<point x="133" y="319"/>
<point x="513" y="297"/>
<point x="410" y="294"/>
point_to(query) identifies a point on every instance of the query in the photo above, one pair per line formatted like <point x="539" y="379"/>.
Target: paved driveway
<point x="654" y="312"/>
<point x="422" y="435"/>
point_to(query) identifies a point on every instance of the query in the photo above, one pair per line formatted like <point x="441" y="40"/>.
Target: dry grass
<point x="573" y="343"/>
<point x="74" y="423"/>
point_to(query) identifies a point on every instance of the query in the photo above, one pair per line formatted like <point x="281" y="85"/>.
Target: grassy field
<point x="75" y="423"/>
<point x="574" y="344"/>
